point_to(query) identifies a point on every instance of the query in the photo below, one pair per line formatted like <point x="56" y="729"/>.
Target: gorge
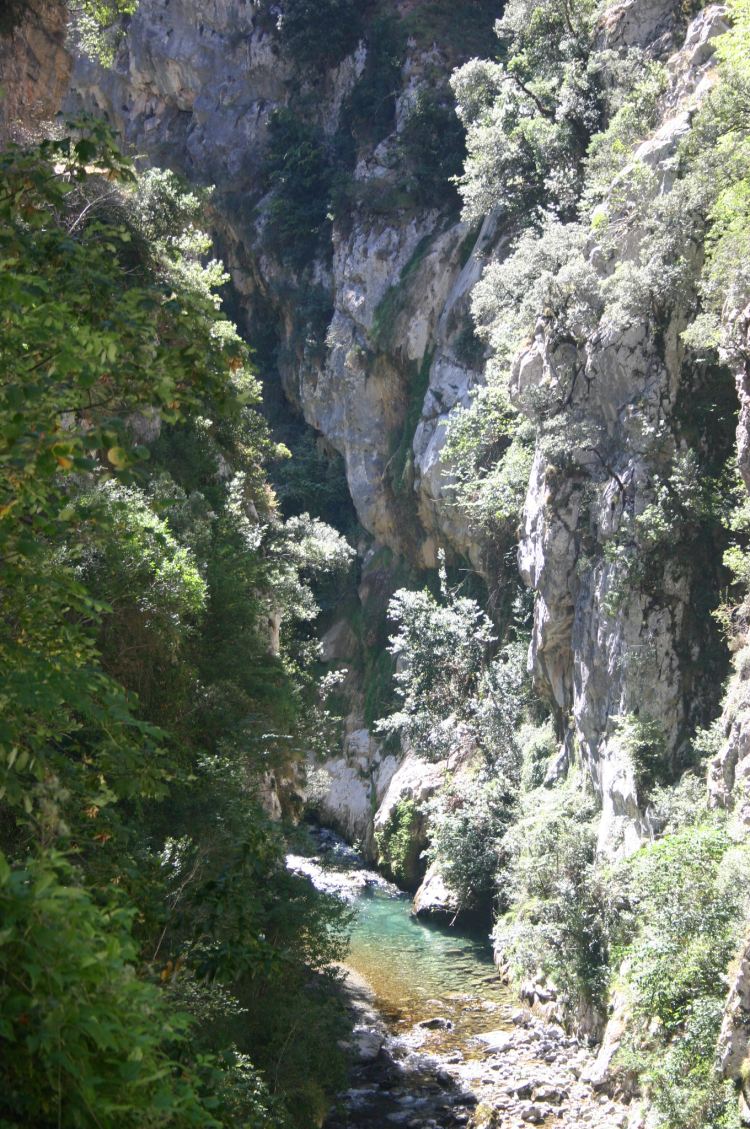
<point x="488" y="622"/>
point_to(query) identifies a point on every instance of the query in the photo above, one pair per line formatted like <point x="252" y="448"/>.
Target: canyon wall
<point x="371" y="330"/>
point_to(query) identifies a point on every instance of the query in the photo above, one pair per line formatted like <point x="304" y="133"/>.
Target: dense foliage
<point x="458" y="703"/>
<point x="319" y="33"/>
<point x="686" y="899"/>
<point x="544" y="98"/>
<point x="598" y="243"/>
<point x="298" y="168"/>
<point x="159" y="964"/>
<point x="553" y="924"/>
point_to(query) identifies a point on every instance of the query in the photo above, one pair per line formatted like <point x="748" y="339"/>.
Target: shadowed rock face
<point x="193" y="88"/>
<point x="34" y="66"/>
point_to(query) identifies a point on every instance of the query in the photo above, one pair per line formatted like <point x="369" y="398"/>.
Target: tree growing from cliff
<point x="717" y="155"/>
<point x="298" y="170"/>
<point x="529" y="117"/>
<point x="441" y="652"/>
<point x="319" y="33"/>
<point x="459" y="701"/>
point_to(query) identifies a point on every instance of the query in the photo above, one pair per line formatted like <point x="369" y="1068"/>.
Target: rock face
<point x="369" y="332"/>
<point x="739" y="358"/>
<point x="609" y="644"/>
<point x="434" y="898"/>
<point x="414" y="782"/>
<point x="194" y="87"/>
<point x="356" y="785"/>
<point x="602" y="649"/>
<point x="34" y="65"/>
<point x="371" y="350"/>
<point x="729" y="772"/>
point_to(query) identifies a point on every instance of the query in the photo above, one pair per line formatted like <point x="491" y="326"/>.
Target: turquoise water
<point x="419" y="970"/>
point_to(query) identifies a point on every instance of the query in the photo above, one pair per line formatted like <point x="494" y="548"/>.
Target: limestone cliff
<point x="370" y="327"/>
<point x="34" y="64"/>
<point x="621" y="624"/>
<point x="358" y="294"/>
<point x="369" y="319"/>
<point x="369" y="324"/>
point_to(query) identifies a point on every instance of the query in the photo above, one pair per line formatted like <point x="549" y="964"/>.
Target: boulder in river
<point x="434" y="898"/>
<point x="437" y="1023"/>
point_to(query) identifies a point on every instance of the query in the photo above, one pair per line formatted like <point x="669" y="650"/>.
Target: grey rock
<point x="434" y="898"/>
<point x="533" y="1114"/>
<point x="436" y="1023"/>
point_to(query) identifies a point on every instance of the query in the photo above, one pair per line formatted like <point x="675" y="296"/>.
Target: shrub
<point x="717" y="158"/>
<point x="468" y="347"/>
<point x="431" y="149"/>
<point x="319" y="33"/>
<point x="538" y="744"/>
<point x="81" y="1032"/>
<point x="370" y="109"/>
<point x="99" y="27"/>
<point x="314" y="478"/>
<point x="555" y="919"/>
<point x="396" y="841"/>
<point x="167" y="580"/>
<point x="529" y="118"/>
<point x="454" y="698"/>
<point x="297" y="169"/>
<point x="466" y="823"/>
<point x="610" y="150"/>
<point x="441" y="651"/>
<point x="545" y="271"/>
<point x="643" y="741"/>
<point x="434" y="22"/>
<point x="490" y="453"/>
<point x="688" y="895"/>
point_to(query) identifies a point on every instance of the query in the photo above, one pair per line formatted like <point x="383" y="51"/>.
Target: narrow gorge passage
<point x="374" y="455"/>
<point x="439" y="1040"/>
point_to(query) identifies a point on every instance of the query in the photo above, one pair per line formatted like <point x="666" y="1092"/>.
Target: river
<point x="419" y="969"/>
<point x="439" y="1040"/>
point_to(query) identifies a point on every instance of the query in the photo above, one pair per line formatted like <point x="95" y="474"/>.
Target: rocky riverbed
<point x="438" y="1041"/>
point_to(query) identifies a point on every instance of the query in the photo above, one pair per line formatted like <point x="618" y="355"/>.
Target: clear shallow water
<point x="419" y="970"/>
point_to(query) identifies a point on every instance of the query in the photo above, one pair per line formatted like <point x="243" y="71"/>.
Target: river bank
<point x="438" y="1040"/>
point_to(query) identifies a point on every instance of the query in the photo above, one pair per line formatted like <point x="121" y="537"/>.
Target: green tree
<point x="144" y="694"/>
<point x="298" y="170"/>
<point x="529" y="117"/>
<point x="320" y="33"/>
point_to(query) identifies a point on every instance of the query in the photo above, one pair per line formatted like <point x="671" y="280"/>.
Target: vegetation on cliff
<point x="159" y="964"/>
<point x="552" y="137"/>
